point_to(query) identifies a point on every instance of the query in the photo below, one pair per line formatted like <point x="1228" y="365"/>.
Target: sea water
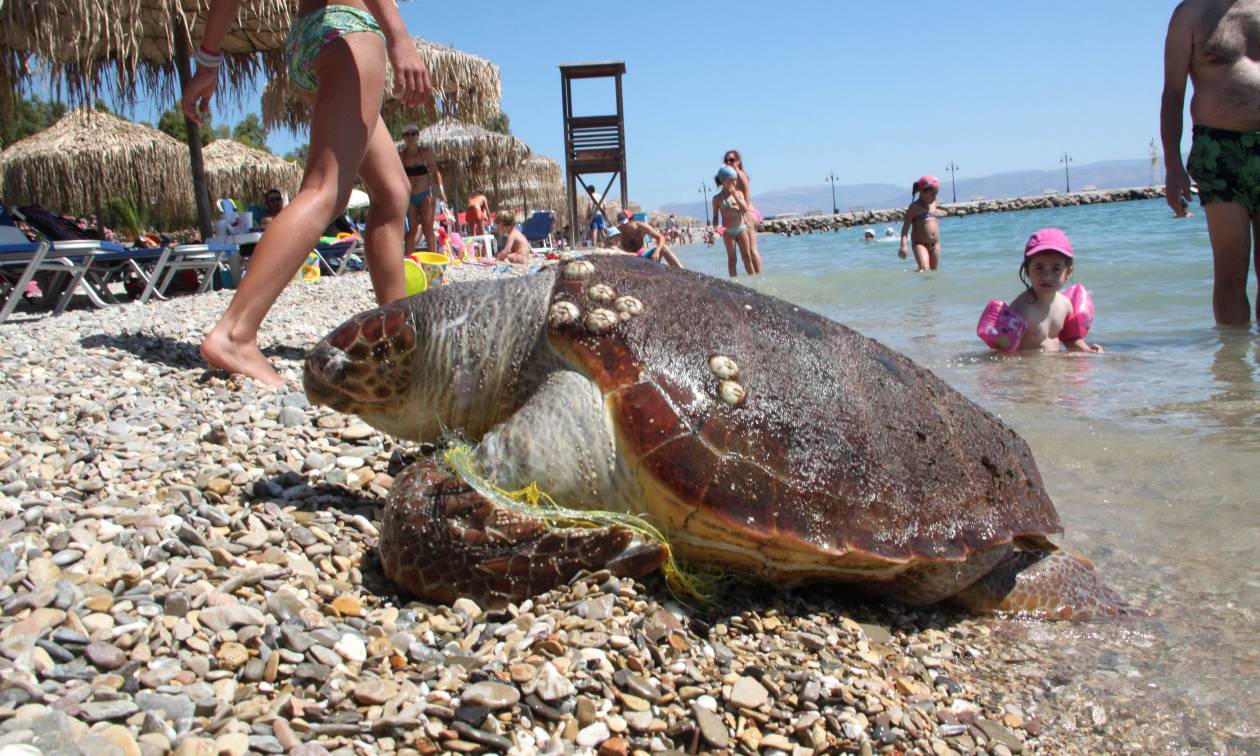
<point x="1150" y="451"/>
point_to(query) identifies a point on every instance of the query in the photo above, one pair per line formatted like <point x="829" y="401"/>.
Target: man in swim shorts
<point x="1214" y="43"/>
<point x="632" y="237"/>
<point x="599" y="236"/>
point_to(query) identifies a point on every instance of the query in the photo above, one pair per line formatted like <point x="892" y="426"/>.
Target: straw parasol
<point x="130" y="44"/>
<point x="537" y="183"/>
<point x="136" y="44"/>
<point x="86" y="158"/>
<point x="473" y="156"/>
<point x="465" y="85"/>
<point x="241" y="172"/>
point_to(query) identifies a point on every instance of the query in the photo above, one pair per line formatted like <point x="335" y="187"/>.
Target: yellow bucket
<point x="422" y="270"/>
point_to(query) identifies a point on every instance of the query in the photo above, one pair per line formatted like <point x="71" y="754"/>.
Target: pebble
<point x="492" y="695"/>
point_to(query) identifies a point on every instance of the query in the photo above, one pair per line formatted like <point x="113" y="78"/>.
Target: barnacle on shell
<point x="724" y="367"/>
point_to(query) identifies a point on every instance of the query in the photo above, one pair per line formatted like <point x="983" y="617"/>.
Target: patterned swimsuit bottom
<point x="1226" y="165"/>
<point x="314" y="30"/>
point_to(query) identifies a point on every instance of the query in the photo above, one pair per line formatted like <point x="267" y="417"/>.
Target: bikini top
<point x="416" y="170"/>
<point x="730" y="201"/>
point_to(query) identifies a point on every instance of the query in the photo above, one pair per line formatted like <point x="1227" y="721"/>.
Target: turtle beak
<point x="366" y="364"/>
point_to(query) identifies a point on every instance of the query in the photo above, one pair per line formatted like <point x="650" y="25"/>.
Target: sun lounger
<point x="206" y="258"/>
<point x="537" y="230"/>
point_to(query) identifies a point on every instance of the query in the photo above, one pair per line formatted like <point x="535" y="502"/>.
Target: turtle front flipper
<point x="441" y="539"/>
<point x="1048" y="585"/>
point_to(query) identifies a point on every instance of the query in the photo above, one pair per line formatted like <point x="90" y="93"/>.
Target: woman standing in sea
<point x="734" y="160"/>
<point x="336" y="56"/>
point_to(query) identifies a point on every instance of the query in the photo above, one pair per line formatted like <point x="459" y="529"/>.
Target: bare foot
<point x="242" y="359"/>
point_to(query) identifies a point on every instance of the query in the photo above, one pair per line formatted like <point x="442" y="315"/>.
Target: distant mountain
<point x="1109" y="174"/>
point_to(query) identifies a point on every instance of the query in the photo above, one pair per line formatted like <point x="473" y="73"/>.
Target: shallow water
<point x="1149" y="451"/>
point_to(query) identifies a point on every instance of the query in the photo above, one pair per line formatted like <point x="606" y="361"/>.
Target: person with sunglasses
<point x="336" y="54"/>
<point x="273" y="203"/>
<point x="422" y="171"/>
<point x="732" y="158"/>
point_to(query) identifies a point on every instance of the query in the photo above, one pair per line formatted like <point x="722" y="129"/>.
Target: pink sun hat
<point x="1048" y="239"/>
<point x="926" y="182"/>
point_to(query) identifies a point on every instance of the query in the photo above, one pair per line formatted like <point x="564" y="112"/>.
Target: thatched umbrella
<point x="131" y="44"/>
<point x="538" y="183"/>
<point x="464" y="85"/>
<point x="473" y="155"/>
<point x="87" y="158"/>
<point x="241" y="172"/>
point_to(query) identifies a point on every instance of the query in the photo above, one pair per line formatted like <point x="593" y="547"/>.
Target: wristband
<point x="208" y="59"/>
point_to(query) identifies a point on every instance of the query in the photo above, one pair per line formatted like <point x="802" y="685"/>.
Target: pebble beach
<point x="187" y="565"/>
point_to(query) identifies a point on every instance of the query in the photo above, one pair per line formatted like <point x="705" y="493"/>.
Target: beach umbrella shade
<point x="464" y="85"/>
<point x="474" y="157"/>
<point x="87" y="158"/>
<point x="538" y="183"/>
<point x="238" y="171"/>
<point x="133" y="45"/>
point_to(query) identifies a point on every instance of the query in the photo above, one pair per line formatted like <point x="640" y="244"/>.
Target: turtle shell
<point x="767" y="433"/>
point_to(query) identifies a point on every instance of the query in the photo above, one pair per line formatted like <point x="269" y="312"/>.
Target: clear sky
<point x="876" y="92"/>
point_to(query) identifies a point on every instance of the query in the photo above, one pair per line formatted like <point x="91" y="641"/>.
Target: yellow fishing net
<point x="532" y="502"/>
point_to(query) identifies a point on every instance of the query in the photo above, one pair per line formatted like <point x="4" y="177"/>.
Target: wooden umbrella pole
<point x="180" y="32"/>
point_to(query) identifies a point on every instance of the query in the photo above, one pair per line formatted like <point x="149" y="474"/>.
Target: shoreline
<point x="960" y="209"/>
<point x="187" y="562"/>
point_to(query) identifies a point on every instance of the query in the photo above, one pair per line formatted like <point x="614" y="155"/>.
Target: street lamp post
<point x="1067" y="174"/>
<point x="704" y="189"/>
<point x="953" y="186"/>
<point x="831" y="177"/>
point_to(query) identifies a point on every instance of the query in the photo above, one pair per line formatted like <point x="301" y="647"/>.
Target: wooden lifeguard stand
<point x="593" y="144"/>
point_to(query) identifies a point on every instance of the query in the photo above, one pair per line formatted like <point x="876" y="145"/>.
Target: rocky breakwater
<point x="187" y="565"/>
<point x="870" y="217"/>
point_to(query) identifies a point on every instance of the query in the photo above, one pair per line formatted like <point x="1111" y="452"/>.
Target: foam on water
<point x="1149" y="451"/>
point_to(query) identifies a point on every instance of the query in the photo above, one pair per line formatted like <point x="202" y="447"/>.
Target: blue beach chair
<point x="537" y="230"/>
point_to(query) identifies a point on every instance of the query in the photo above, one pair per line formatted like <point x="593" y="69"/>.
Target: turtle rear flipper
<point x="1048" y="585"/>
<point x="441" y="539"/>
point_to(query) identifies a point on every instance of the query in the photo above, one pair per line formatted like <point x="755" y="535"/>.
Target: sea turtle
<point x="757" y="435"/>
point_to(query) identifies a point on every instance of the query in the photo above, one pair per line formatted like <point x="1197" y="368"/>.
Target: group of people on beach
<point x="336" y="56"/>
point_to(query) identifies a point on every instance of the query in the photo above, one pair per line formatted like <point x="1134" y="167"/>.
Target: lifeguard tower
<point x="593" y="144"/>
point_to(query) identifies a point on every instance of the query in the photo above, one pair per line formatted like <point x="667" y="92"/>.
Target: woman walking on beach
<point x="336" y="55"/>
<point x="734" y="160"/>
<point x="420" y="165"/>
<point x="921" y="226"/>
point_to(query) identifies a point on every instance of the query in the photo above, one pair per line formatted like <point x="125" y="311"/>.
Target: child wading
<point x="731" y="208"/>
<point x="921" y="225"/>
<point x="1048" y="259"/>
<point x="336" y="56"/>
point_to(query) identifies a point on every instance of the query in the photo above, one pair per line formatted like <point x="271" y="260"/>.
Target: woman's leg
<point x="389" y="188"/>
<point x="731" y="268"/>
<point x="351" y="73"/>
<point x="752" y="245"/>
<point x="427" y="208"/>
<point x="413" y="225"/>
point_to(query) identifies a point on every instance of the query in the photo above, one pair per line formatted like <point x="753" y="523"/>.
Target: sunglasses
<point x="411" y="133"/>
<point x="730" y="160"/>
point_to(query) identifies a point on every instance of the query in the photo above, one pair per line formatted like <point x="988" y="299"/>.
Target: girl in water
<point x="421" y="168"/>
<point x="921" y="225"/>
<point x="731" y="208"/>
<point x="1048" y="259"/>
<point x="336" y="55"/>
<point x="733" y="159"/>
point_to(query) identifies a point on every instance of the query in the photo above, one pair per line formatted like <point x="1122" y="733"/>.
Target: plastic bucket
<point x="422" y="270"/>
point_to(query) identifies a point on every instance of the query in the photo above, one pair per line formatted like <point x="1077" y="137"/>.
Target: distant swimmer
<point x="921" y="226"/>
<point x="869" y="235"/>
<point x="1214" y="43"/>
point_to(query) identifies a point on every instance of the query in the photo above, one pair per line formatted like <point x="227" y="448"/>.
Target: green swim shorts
<point x="1226" y="165"/>
<point x="314" y="30"/>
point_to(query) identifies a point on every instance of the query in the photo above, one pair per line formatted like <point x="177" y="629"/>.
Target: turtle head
<point x="368" y="367"/>
<point x="449" y="360"/>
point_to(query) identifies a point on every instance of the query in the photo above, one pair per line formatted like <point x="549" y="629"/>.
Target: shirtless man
<point x="1217" y="44"/>
<point x="633" y="234"/>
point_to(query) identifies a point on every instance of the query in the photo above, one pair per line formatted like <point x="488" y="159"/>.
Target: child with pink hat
<point x="921" y="226"/>
<point x="1043" y="316"/>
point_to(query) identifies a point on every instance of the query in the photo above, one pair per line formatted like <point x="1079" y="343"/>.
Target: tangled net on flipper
<point x="700" y="584"/>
